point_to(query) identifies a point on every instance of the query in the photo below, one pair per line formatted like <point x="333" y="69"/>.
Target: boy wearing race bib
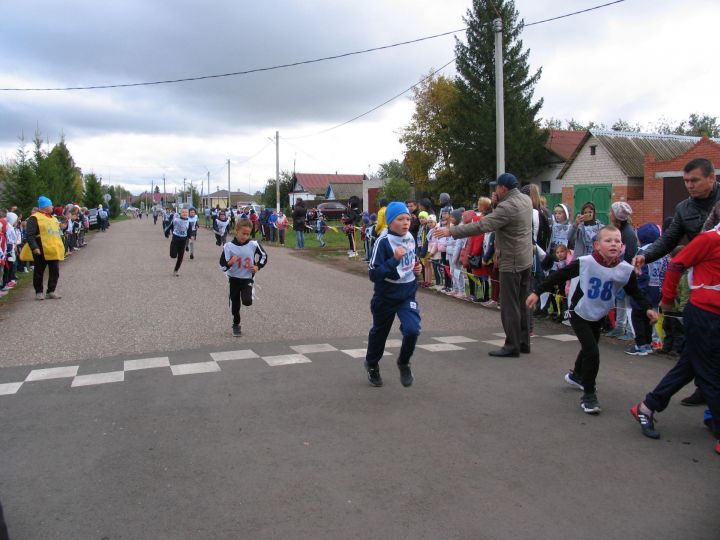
<point x="241" y="259"/>
<point x="600" y="277"/>
<point x="393" y="269"/>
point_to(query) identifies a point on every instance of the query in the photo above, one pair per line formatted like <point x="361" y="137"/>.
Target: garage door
<point x="599" y="194"/>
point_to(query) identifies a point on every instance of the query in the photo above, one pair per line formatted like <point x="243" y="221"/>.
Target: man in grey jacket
<point x="511" y="220"/>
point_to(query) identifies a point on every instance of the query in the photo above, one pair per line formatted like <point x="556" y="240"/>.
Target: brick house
<point x="611" y="166"/>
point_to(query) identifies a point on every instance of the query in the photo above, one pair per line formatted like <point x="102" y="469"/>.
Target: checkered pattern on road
<point x="217" y="359"/>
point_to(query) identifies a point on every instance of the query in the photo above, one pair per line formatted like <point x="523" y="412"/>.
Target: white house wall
<point x="598" y="169"/>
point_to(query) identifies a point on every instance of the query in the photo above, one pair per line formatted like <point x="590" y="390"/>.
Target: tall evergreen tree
<point x="63" y="180"/>
<point x="473" y="131"/>
<point x="114" y="203"/>
<point x="20" y="186"/>
<point x="93" y="191"/>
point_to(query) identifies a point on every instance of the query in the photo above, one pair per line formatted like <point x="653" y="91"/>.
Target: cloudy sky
<point x="639" y="60"/>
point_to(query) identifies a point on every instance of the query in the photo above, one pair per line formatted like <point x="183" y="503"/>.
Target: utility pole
<point x="228" y="183"/>
<point x="184" y="193"/>
<point x="277" y="172"/>
<point x="499" y="99"/>
<point x="164" y="193"/>
<point x="208" y="195"/>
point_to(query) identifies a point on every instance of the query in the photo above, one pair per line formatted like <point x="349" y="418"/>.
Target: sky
<point x="640" y="60"/>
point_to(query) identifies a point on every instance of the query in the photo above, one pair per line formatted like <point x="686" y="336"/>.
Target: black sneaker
<point x="236" y="330"/>
<point x="590" y="404"/>
<point x="696" y="398"/>
<point x="373" y="374"/>
<point x="646" y="421"/>
<point x="406" y="376"/>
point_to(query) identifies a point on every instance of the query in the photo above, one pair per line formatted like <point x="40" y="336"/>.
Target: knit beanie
<point x="44" y="202"/>
<point x="622" y="210"/>
<point x="423" y="214"/>
<point x="394" y="209"/>
<point x="457" y="216"/>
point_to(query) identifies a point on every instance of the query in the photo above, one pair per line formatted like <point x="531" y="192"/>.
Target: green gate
<point x="599" y="194"/>
<point x="553" y="199"/>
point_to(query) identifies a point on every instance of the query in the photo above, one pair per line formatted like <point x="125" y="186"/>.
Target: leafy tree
<point x="622" y="125"/>
<point x="396" y="189"/>
<point x="93" y="191"/>
<point x="114" y="203"/>
<point x="428" y="138"/>
<point x="269" y="198"/>
<point x="703" y="125"/>
<point x="473" y="131"/>
<point x="393" y="169"/>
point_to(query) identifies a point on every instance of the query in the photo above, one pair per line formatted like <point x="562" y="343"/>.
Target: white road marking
<point x="234" y="355"/>
<point x="440" y="347"/>
<point x="562" y="337"/>
<point x="495" y="342"/>
<point x="7" y="389"/>
<point x="393" y="343"/>
<point x="52" y="373"/>
<point x="192" y="369"/>
<point x="455" y="339"/>
<point x="286" y="359"/>
<point x="500" y="334"/>
<point x="146" y="363"/>
<point x="98" y="378"/>
<point x="359" y="353"/>
<point x="308" y="349"/>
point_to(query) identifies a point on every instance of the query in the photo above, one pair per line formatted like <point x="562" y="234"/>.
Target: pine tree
<point x="473" y="131"/>
<point x="20" y="187"/>
<point x="114" y="203"/>
<point x="93" y="191"/>
<point x="63" y="182"/>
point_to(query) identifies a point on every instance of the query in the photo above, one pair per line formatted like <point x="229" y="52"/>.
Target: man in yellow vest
<point x="45" y="239"/>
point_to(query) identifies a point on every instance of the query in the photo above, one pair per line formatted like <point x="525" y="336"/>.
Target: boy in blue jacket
<point x="393" y="269"/>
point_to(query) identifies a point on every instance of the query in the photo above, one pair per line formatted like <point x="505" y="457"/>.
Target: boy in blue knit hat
<point x="393" y="270"/>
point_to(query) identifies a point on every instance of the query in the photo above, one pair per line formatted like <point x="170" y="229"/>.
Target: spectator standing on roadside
<point x="584" y="231"/>
<point x="282" y="225"/>
<point x="512" y="222"/>
<point x="45" y="239"/>
<point x="299" y="218"/>
<point x="381" y="225"/>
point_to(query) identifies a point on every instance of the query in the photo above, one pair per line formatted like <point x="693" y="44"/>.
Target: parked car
<point x="331" y="210"/>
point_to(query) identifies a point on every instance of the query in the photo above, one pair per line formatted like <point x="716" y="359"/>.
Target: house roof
<point x="345" y="191"/>
<point x="318" y="183"/>
<point x="629" y="149"/>
<point x="564" y="142"/>
<point x="223" y="193"/>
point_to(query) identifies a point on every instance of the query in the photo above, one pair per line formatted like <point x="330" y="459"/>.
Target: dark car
<point x="331" y="210"/>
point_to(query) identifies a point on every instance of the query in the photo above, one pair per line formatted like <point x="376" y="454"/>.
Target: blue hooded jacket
<point x="651" y="278"/>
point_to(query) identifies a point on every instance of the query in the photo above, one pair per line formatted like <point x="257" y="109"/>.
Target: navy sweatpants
<point x="699" y="360"/>
<point x="383" y="312"/>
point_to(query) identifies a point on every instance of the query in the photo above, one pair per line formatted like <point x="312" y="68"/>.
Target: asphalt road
<point x="269" y="437"/>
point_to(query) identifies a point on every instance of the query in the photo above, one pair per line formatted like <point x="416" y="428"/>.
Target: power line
<point x="438" y="70"/>
<point x="288" y="65"/>
<point x="396" y="96"/>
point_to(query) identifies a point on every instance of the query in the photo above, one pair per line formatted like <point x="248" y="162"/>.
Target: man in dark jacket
<point x="298" y="216"/>
<point x="690" y="214"/>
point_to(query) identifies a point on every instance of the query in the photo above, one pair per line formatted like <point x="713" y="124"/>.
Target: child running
<point x="601" y="276"/>
<point x="393" y="269"/>
<point x="220" y="226"/>
<point x="179" y="229"/>
<point x="241" y="259"/>
<point x="192" y="231"/>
